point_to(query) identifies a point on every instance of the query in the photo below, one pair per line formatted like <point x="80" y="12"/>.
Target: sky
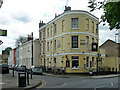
<point x="21" y="17"/>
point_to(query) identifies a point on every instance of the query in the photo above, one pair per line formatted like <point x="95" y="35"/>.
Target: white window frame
<point x="44" y="48"/>
<point x="75" y="23"/>
<point x="87" y="24"/>
<point x="93" y="59"/>
<point x="41" y="62"/>
<point x="96" y="28"/>
<point x="48" y="32"/>
<point x="75" y="42"/>
<point x="48" y="62"/>
<point x="87" y="43"/>
<point x="55" y="45"/>
<point x="40" y="48"/>
<point x="75" y="60"/>
<point x="47" y="46"/>
<point x="87" y="62"/>
<point x="55" y="29"/>
<point x="43" y="34"/>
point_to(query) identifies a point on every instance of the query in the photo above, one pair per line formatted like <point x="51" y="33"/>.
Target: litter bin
<point x="22" y="79"/>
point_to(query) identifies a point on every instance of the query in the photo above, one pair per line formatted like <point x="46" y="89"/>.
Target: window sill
<point x="87" y="68"/>
<point x="75" y="68"/>
<point x="75" y="48"/>
<point x="74" y="28"/>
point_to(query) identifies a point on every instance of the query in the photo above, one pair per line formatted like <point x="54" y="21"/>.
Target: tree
<point x="8" y="49"/>
<point x="20" y="41"/>
<point x="111" y="12"/>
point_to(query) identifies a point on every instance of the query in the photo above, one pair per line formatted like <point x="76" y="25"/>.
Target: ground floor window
<point x="90" y="64"/>
<point x="93" y="62"/>
<point x="87" y="62"/>
<point x="67" y="63"/>
<point x="75" y="61"/>
<point x="48" y="62"/>
<point x="41" y="62"/>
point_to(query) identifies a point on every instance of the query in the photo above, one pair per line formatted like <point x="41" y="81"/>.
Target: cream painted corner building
<point x="66" y="42"/>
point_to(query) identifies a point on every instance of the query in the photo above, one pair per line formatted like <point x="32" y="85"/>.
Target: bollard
<point x="31" y="73"/>
<point x="13" y="72"/>
<point x="27" y="76"/>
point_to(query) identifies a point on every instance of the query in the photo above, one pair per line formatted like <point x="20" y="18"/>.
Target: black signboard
<point x="94" y="46"/>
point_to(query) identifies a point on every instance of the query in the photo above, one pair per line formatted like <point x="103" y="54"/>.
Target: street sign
<point x="1" y="42"/>
<point x="3" y="32"/>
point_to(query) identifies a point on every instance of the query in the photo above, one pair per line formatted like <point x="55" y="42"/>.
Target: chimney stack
<point x="67" y="8"/>
<point x="41" y="24"/>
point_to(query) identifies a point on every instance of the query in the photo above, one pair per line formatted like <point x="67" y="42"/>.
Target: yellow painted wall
<point x="112" y="62"/>
<point x="63" y="41"/>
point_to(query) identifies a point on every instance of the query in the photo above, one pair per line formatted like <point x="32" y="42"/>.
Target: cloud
<point x="105" y="33"/>
<point x="21" y="17"/>
<point x="7" y="42"/>
<point x="4" y="21"/>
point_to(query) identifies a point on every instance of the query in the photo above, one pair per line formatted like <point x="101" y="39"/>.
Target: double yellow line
<point x="42" y="85"/>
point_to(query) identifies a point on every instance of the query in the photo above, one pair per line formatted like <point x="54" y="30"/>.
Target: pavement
<point x="82" y="76"/>
<point x="10" y="82"/>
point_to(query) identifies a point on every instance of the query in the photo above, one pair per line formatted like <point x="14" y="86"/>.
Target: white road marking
<point x="61" y="85"/>
<point x="1" y="83"/>
<point x="100" y="87"/>
<point x="112" y="84"/>
<point x="64" y="84"/>
<point x="83" y="80"/>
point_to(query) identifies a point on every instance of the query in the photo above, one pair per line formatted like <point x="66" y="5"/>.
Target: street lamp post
<point x="118" y="52"/>
<point x="32" y="48"/>
<point x="32" y="53"/>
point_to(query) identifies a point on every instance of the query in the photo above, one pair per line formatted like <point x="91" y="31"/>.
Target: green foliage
<point x="8" y="49"/>
<point x="111" y="12"/>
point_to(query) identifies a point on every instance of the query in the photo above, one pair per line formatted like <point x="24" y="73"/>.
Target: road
<point x="77" y="82"/>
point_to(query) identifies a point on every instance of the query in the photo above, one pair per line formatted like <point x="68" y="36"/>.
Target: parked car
<point x="4" y="68"/>
<point x="22" y="68"/>
<point x="36" y="70"/>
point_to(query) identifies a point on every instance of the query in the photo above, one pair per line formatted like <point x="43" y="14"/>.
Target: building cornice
<point x="68" y="33"/>
<point x="70" y="13"/>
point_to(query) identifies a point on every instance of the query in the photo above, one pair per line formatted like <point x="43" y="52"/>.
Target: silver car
<point x="36" y="70"/>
